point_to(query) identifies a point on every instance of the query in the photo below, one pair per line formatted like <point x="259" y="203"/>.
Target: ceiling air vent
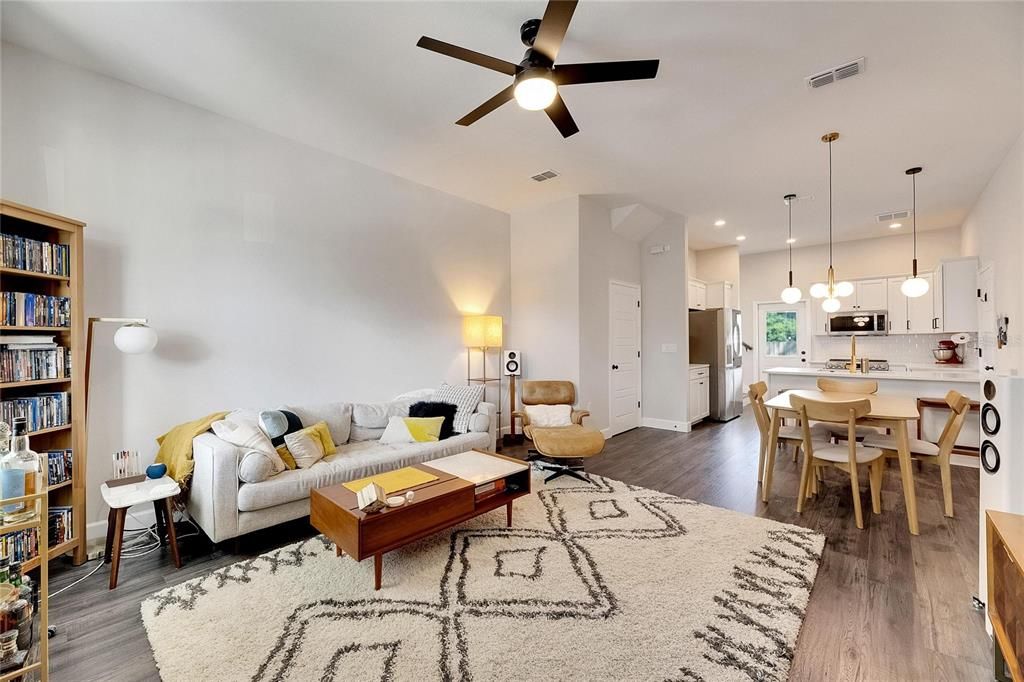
<point x="836" y="73"/>
<point x="544" y="175"/>
<point x="889" y="217"/>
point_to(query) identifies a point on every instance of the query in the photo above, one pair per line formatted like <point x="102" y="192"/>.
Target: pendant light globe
<point x="791" y="295"/>
<point x="819" y="290"/>
<point x="914" y="287"/>
<point x="844" y="289"/>
<point x="831" y="305"/>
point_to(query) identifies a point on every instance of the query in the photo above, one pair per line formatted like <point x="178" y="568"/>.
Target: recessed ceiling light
<point x="791" y="240"/>
<point x="740" y="237"/>
<point x="719" y="223"/>
<point x="895" y="226"/>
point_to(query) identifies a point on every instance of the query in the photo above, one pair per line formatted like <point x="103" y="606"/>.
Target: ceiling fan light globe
<point x="791" y="295"/>
<point x="914" y="287"/>
<point x="844" y="289"/>
<point x="819" y="290"/>
<point x="535" y="93"/>
<point x="830" y="305"/>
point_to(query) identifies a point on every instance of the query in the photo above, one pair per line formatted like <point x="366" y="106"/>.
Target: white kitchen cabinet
<point x="956" y="290"/>
<point x="700" y="395"/>
<point x="819" y="317"/>
<point x="897" y="306"/>
<point x="868" y="294"/>
<point x="697" y="295"/>
<point x="921" y="318"/>
<point x="721" y="295"/>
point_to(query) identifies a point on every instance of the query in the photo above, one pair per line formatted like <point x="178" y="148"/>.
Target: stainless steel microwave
<point x="859" y="323"/>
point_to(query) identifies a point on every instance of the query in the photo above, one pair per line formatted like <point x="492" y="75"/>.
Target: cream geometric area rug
<point x="594" y="582"/>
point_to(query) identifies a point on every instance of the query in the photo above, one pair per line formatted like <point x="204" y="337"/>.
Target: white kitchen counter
<point x="948" y="375"/>
<point x="698" y="366"/>
<point x="913" y="382"/>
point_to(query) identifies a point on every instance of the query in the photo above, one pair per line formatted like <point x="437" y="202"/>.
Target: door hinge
<point x="638" y="403"/>
<point x="979" y="292"/>
<point x="638" y="304"/>
<point x="638" y="353"/>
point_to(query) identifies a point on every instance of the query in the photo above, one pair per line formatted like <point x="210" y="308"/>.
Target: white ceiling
<point x="726" y="129"/>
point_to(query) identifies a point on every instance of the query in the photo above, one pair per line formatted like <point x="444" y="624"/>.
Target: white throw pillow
<point x="549" y="415"/>
<point x="249" y="436"/>
<point x="255" y="466"/>
<point x="465" y="398"/>
<point x="396" y="432"/>
<point x="305" y="449"/>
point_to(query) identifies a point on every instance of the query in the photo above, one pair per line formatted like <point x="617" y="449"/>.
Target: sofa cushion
<point x="239" y="429"/>
<point x="364" y="433"/>
<point x="309" y="445"/>
<point x="465" y="398"/>
<point x="255" y="466"/>
<point x="376" y="415"/>
<point x="337" y="415"/>
<point x="353" y="460"/>
<point x="429" y="408"/>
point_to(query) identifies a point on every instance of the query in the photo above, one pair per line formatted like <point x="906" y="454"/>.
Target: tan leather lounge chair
<point x="563" y="447"/>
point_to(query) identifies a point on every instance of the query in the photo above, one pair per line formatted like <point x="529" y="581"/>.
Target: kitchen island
<point x="914" y="382"/>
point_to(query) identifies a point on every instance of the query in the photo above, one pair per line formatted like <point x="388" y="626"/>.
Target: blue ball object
<point x="155" y="471"/>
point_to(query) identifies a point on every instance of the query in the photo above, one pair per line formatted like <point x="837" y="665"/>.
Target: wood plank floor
<point x="885" y="606"/>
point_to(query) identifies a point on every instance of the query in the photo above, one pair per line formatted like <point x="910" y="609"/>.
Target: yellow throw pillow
<point x="286" y="456"/>
<point x="424" y="429"/>
<point x="320" y="430"/>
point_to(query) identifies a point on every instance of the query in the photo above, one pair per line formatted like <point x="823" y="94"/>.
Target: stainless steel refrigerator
<point x="715" y="340"/>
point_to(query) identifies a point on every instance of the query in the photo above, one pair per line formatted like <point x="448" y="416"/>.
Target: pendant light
<point x="915" y="286"/>
<point x="830" y="290"/>
<point x="790" y="294"/>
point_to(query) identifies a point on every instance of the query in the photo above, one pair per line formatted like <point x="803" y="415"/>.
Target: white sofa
<point x="225" y="507"/>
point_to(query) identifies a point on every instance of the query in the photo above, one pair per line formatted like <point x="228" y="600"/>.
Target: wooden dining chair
<point x="848" y="457"/>
<point x="936" y="453"/>
<point x="787" y="434"/>
<point x="862" y="386"/>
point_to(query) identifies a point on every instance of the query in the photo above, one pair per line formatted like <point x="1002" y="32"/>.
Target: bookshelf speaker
<point x="510" y="363"/>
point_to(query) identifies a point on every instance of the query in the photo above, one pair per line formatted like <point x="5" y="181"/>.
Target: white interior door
<point x="624" y="356"/>
<point x="782" y="337"/>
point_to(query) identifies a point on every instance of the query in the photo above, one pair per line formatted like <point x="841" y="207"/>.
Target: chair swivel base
<point x="557" y="468"/>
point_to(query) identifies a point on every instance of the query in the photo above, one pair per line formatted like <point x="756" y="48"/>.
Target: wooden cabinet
<point x="721" y="295"/>
<point x="956" y="295"/>
<point x="697" y="295"/>
<point x="1005" y="549"/>
<point x="700" y="394"/>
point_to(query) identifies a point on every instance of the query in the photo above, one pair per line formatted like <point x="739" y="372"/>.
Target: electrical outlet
<point x="94" y="554"/>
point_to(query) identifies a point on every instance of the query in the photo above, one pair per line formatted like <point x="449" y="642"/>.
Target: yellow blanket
<point x="176" y="446"/>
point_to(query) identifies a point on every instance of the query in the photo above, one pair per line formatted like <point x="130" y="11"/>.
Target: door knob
<point x="615" y="366"/>
<point x="989" y="368"/>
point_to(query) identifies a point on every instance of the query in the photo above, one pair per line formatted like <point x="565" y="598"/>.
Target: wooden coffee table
<point x="438" y="505"/>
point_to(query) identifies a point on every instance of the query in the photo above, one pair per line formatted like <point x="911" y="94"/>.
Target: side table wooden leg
<point x="119" y="515"/>
<point x="161" y="524"/>
<point x="172" y="534"/>
<point x="109" y="546"/>
<point x="378" y="564"/>
<point x="508" y="514"/>
<point x="338" y="551"/>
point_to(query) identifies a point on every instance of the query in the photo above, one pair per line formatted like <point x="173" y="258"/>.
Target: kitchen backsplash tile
<point x="902" y="349"/>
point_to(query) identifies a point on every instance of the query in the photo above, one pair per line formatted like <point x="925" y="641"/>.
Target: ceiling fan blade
<point x="603" y="72"/>
<point x="465" y="55"/>
<point x="560" y="116"/>
<point x="553" y="26"/>
<point x="487" y="107"/>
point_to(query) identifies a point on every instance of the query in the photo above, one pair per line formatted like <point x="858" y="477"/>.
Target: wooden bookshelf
<point x="33" y="223"/>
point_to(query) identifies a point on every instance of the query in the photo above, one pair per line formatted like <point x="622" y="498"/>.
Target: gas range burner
<point x="844" y="364"/>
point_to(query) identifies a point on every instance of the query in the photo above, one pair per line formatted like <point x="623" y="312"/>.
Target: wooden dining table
<point x="887" y="411"/>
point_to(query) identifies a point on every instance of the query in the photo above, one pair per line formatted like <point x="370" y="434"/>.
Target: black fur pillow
<point x="434" y="409"/>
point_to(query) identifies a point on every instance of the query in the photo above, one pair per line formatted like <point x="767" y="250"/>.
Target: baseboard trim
<point x="606" y="432"/>
<point x="665" y="424"/>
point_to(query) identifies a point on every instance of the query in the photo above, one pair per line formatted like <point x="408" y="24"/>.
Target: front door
<point x="782" y="336"/>
<point x="624" y="356"/>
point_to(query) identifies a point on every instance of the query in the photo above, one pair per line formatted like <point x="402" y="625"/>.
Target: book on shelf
<point x="60" y="525"/>
<point x="42" y="411"/>
<point x="20" y="545"/>
<point x="486" y="490"/>
<point x="34" y="255"/>
<point x="59" y="463"/>
<point x="18" y="362"/>
<point x="21" y="309"/>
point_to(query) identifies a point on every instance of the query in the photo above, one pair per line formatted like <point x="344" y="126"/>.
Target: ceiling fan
<point x="536" y="78"/>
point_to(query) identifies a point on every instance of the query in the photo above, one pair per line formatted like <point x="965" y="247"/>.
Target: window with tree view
<point x="780" y="333"/>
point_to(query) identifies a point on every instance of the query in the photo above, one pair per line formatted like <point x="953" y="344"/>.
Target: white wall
<point x="273" y="272"/>
<point x="665" y="321"/>
<point x="994" y="231"/>
<point x="545" y="324"/>
<point x="718" y="265"/>
<point x="763" y="277"/>
<point x="604" y="256"/>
